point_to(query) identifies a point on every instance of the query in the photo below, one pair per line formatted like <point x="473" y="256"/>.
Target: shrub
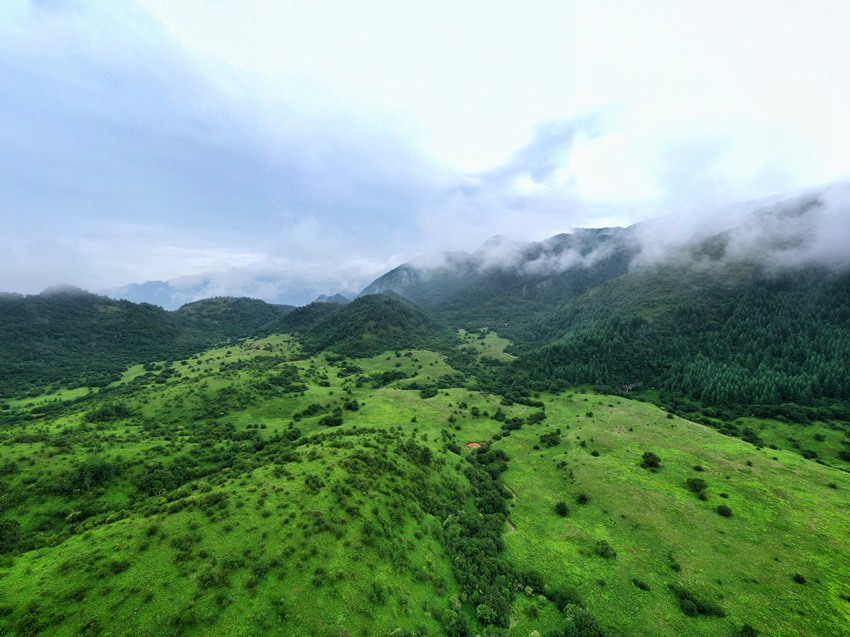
<point x="582" y="498"/>
<point x="563" y="597"/>
<point x="693" y="604"/>
<point x="799" y="578"/>
<point x="551" y="439"/>
<point x="724" y="510"/>
<point x="580" y="623"/>
<point x="640" y="584"/>
<point x="650" y="460"/>
<point x="562" y="509"/>
<point x="604" y="549"/>
<point x="10" y="533"/>
<point x="696" y="485"/>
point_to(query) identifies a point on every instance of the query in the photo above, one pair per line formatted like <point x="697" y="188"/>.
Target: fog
<point x="260" y="149"/>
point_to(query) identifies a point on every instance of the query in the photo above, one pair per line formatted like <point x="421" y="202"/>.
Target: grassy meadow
<point x="251" y="490"/>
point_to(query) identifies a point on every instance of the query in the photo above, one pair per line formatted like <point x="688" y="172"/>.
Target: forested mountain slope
<point x="508" y="284"/>
<point x="68" y="336"/>
<point x="730" y="337"/>
<point x="373" y="324"/>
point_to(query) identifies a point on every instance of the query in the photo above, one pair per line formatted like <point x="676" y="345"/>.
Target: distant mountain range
<point x="811" y="228"/>
<point x="757" y="314"/>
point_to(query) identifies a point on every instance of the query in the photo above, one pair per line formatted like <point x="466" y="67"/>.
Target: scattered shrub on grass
<point x="696" y="485"/>
<point x="650" y="460"/>
<point x="748" y="631"/>
<point x="640" y="584"/>
<point x="799" y="578"/>
<point x="724" y="510"/>
<point x="562" y="509"/>
<point x="582" y="498"/>
<point x="580" y="623"/>
<point x="563" y="597"/>
<point x="604" y="549"/>
<point x="693" y="604"/>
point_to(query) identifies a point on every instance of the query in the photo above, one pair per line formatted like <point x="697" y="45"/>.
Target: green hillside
<point x="252" y="489"/>
<point x="71" y="338"/>
<point x="747" y="341"/>
<point x="373" y="324"/>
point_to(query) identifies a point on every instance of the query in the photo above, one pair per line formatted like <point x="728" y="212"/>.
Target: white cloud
<point x="156" y="138"/>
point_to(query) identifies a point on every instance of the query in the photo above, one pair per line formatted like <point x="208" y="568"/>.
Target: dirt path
<point x="511" y="525"/>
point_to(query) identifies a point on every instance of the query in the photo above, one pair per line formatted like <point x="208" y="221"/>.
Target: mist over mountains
<point x="810" y="228"/>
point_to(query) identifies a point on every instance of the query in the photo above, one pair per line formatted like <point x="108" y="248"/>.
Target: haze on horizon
<point x="292" y="147"/>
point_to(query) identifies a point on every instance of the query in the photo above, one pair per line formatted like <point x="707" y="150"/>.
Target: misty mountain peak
<point x="63" y="290"/>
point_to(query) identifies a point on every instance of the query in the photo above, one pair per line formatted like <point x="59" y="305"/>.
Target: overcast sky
<point x="317" y="143"/>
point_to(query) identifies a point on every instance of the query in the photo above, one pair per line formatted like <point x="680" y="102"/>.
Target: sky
<point x="280" y="148"/>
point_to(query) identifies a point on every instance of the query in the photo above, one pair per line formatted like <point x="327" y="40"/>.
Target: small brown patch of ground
<point x="474" y="445"/>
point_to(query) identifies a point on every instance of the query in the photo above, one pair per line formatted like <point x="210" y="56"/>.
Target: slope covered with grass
<point x="253" y="489"/>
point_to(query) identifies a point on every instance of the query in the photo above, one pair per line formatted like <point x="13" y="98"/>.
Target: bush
<point x="108" y="413"/>
<point x="650" y="460"/>
<point x="580" y="623"/>
<point x="564" y="597"/>
<point x="696" y="485"/>
<point x="332" y="420"/>
<point x="10" y="534"/>
<point x="724" y="510"/>
<point x="693" y="604"/>
<point x="799" y="578"/>
<point x="562" y="509"/>
<point x="604" y="549"/>
<point x="551" y="439"/>
<point x="640" y="584"/>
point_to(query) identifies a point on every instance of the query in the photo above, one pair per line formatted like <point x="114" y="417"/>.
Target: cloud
<point x="144" y="141"/>
<point x="810" y="228"/>
<point x="126" y="153"/>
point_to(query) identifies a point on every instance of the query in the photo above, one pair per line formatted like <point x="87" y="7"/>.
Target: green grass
<point x="202" y="511"/>
<point x="785" y="520"/>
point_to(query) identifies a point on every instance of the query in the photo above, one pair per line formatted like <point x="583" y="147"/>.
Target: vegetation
<point x="238" y="468"/>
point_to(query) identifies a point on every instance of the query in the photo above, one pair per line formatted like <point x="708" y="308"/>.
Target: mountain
<point x="621" y="431"/>
<point x="373" y="324"/>
<point x="336" y="299"/>
<point x="739" y="338"/>
<point x="69" y="336"/>
<point x="753" y="318"/>
<point x="273" y="287"/>
<point x="509" y="283"/>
